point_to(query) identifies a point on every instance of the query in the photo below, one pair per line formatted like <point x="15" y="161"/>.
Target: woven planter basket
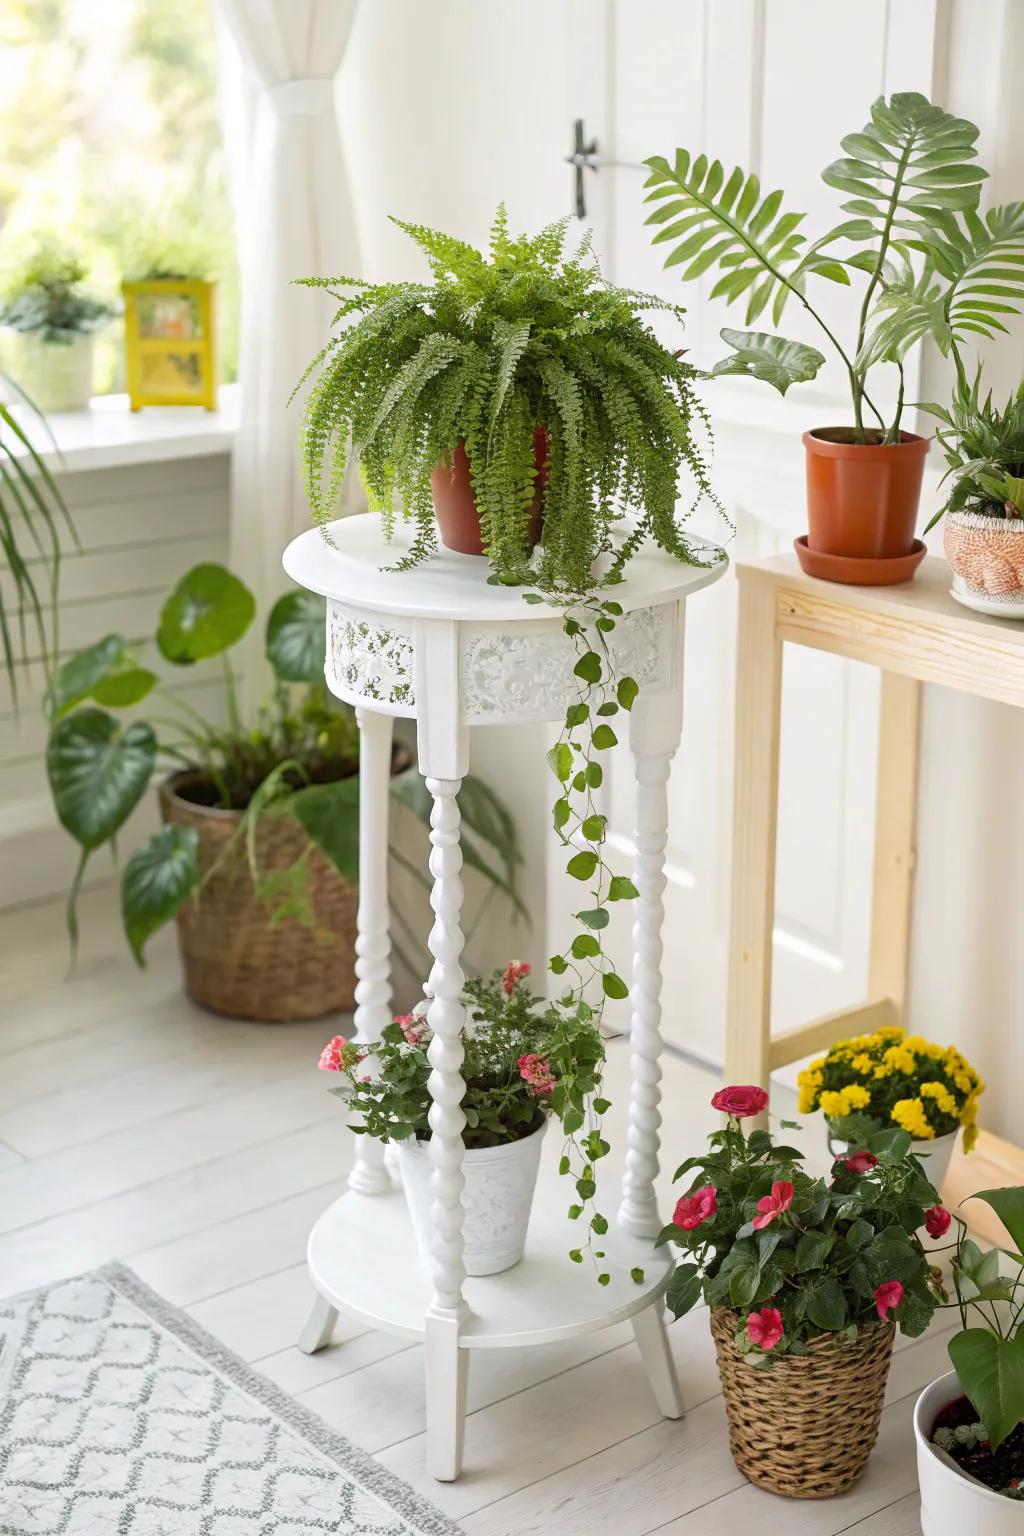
<point x="234" y="961"/>
<point x="805" y="1426"/>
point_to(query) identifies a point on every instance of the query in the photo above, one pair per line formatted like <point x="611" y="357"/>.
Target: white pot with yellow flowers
<point x="891" y="1079"/>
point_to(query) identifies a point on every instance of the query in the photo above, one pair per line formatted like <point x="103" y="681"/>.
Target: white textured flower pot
<point x="951" y="1504"/>
<point x="56" y="376"/>
<point x="986" y="555"/>
<point x="496" y="1199"/>
<point x="935" y="1154"/>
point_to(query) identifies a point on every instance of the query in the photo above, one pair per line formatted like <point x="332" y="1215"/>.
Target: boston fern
<point x="912" y="191"/>
<point x="491" y="349"/>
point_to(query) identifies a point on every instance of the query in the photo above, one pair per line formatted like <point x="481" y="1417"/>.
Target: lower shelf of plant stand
<point x="363" y="1259"/>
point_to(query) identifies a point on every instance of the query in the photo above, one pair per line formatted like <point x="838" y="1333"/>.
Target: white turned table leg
<point x="654" y="735"/>
<point x="369" y="1176"/>
<point x="656" y="1353"/>
<point x="319" y="1326"/>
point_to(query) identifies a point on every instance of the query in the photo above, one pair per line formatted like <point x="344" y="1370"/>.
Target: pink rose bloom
<point x="412" y="1028"/>
<point x="514" y="973"/>
<point x="693" y="1210"/>
<point x="764" y="1328"/>
<point x="862" y="1162"/>
<point x="536" y="1071"/>
<point x="331" y="1057"/>
<point x="887" y="1297"/>
<point x="937" y="1221"/>
<point x="770" y="1206"/>
<point x="740" y="1100"/>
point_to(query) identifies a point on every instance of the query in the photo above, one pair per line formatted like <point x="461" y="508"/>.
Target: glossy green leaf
<point x="123" y="689"/>
<point x="582" y="865"/>
<point x="329" y="815"/>
<point x="82" y="672"/>
<point x="773" y="359"/>
<point x="98" y="772"/>
<point x="588" y="667"/>
<point x="991" y="1372"/>
<point x="585" y="947"/>
<point x="1008" y="1205"/>
<point x="614" y="986"/>
<point x="297" y="637"/>
<point x="621" y="888"/>
<point x="209" y="610"/>
<point x="560" y="761"/>
<point x="603" y="738"/>
<point x="158" y="879"/>
<point x="684" y="1289"/>
<point x="826" y="1304"/>
<point x="596" y="917"/>
<point x="626" y="692"/>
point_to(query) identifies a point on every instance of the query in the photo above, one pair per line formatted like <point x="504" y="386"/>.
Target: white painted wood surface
<point x="208" y="1192"/>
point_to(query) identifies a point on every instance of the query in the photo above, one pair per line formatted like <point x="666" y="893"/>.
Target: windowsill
<point x="109" y="435"/>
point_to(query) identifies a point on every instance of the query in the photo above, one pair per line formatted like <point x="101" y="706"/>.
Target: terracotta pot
<point x="455" y="504"/>
<point x="862" y="498"/>
<point x="986" y="555"/>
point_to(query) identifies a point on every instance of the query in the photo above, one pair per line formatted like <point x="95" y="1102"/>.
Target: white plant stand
<point x="440" y="645"/>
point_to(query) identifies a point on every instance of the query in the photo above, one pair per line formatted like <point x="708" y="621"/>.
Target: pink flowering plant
<point x="795" y="1256"/>
<point x="525" y="1059"/>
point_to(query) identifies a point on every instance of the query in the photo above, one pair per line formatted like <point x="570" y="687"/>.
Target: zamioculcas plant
<point x="929" y="264"/>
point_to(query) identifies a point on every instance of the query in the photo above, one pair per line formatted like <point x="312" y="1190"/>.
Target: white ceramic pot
<point x="496" y="1199"/>
<point x="951" y="1504"/>
<point x="986" y="555"/>
<point x="935" y="1155"/>
<point x="56" y="376"/>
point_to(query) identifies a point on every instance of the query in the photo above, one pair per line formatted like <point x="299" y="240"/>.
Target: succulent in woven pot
<point x="258" y="857"/>
<point x="806" y="1279"/>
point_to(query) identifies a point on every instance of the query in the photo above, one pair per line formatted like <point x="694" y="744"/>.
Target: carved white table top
<point x="514" y="661"/>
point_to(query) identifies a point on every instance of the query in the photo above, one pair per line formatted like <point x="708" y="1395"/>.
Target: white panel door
<point x="773" y="88"/>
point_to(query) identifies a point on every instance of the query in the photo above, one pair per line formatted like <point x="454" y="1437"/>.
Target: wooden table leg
<point x="895" y="821"/>
<point x="755" y="814"/>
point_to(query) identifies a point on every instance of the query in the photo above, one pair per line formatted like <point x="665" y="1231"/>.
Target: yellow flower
<point x="809" y="1085"/>
<point x="941" y="1095"/>
<point x="890" y="1032"/>
<point x="910" y="1116"/>
<point x="862" y="1063"/>
<point x="882" y="1072"/>
<point x="835" y="1104"/>
<point x="923" y="1047"/>
<point x="857" y="1096"/>
<point x="970" y="1136"/>
<point x="900" y="1059"/>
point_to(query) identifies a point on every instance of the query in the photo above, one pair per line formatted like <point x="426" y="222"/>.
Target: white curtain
<point x="294" y="219"/>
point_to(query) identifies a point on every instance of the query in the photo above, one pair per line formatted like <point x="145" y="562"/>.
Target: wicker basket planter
<point x="805" y="1426"/>
<point x="234" y="961"/>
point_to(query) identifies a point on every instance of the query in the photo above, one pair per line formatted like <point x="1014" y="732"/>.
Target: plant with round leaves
<point x="491" y="350"/>
<point x="301" y="760"/>
<point x="912" y="186"/>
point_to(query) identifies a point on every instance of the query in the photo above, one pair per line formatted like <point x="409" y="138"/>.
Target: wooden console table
<point x="916" y="633"/>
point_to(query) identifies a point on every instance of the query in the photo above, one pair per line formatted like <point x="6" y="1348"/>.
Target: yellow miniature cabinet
<point x="169" y="342"/>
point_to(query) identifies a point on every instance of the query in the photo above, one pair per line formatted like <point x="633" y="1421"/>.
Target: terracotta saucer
<point x="853" y="571"/>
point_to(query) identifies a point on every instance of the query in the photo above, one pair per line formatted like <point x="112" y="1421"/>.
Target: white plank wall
<point x="140" y="527"/>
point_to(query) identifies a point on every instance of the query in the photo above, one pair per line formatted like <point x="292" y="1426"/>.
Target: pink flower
<point x="740" y="1101"/>
<point x="887" y="1297"/>
<point x="693" y="1210"/>
<point x="770" y="1206"/>
<point x="412" y="1028"/>
<point x="764" y="1328"/>
<point x="862" y="1162"/>
<point x="536" y="1071"/>
<point x="332" y="1055"/>
<point x="937" y="1221"/>
<point x="514" y="973"/>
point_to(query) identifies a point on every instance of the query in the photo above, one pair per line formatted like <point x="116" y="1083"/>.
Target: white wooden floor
<point x="199" y="1150"/>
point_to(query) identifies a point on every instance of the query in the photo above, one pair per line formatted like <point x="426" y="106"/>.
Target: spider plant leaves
<point x="209" y="610"/>
<point x="759" y="355"/>
<point x="297" y="638"/>
<point x="725" y="222"/>
<point x="157" y="881"/>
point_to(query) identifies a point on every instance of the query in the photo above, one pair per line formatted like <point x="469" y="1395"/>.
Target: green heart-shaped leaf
<point x="1008" y="1205"/>
<point x="208" y="610"/>
<point x="157" y="880"/>
<point x="123" y="689"/>
<point x="81" y="673"/>
<point x="329" y="814"/>
<point x="991" y="1372"/>
<point x="98" y="772"/>
<point x="297" y="637"/>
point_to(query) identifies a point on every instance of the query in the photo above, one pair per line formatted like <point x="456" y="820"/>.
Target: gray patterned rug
<point x="120" y="1417"/>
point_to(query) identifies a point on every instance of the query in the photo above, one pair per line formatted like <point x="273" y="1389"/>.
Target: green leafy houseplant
<point x="45" y="295"/>
<point x="984" y="451"/>
<point x="985" y="1436"/>
<point x="300" y="760"/>
<point x="481" y="358"/>
<point x="912" y="188"/>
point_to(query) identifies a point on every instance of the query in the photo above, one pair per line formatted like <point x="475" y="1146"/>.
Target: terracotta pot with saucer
<point x="458" y="518"/>
<point x="862" y="501"/>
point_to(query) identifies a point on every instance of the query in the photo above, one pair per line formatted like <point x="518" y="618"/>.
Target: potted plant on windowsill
<point x="806" y="1280"/>
<point x="169" y="296"/>
<point x="873" y="1082"/>
<point x="49" y="321"/>
<point x="526" y="1061"/>
<point x="912" y="189"/>
<point x="969" y="1425"/>
<point x="258" y="859"/>
<point x="983" y="535"/>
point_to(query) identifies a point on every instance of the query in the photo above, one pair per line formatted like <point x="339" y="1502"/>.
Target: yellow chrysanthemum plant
<point x="872" y="1082"/>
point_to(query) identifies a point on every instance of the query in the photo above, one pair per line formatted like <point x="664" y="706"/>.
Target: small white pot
<point x="986" y="555"/>
<point x="935" y="1154"/>
<point x="56" y="376"/>
<point x="496" y="1199"/>
<point x="951" y="1504"/>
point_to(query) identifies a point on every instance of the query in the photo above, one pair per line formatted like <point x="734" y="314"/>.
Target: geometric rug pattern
<point x="119" y="1416"/>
